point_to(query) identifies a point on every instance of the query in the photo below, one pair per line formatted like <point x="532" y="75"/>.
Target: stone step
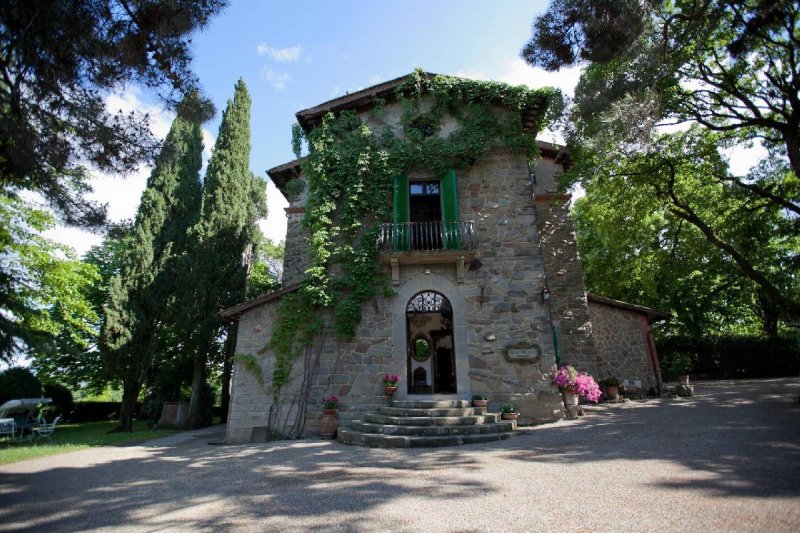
<point x="431" y="404"/>
<point x="473" y="429"/>
<point x="488" y="418"/>
<point x="453" y="411"/>
<point x="379" y="440"/>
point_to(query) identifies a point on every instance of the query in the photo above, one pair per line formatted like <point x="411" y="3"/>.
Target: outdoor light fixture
<point x="545" y="295"/>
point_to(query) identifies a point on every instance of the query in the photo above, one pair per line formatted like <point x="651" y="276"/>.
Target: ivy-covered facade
<point x="426" y="238"/>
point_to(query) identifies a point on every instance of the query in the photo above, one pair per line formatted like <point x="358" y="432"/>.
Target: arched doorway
<point x="431" y="350"/>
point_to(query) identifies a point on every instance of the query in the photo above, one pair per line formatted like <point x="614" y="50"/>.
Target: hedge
<point x="732" y="357"/>
<point x="97" y="411"/>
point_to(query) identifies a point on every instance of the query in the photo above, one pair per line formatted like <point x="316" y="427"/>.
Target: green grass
<point x="72" y="437"/>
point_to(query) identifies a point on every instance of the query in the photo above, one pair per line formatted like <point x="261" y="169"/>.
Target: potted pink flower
<point x="330" y="404"/>
<point x="390" y="383"/>
<point x="574" y="384"/>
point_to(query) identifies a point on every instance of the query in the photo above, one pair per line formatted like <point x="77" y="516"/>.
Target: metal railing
<point x="427" y="236"/>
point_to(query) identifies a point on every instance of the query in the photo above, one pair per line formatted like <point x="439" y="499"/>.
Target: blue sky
<point x="294" y="55"/>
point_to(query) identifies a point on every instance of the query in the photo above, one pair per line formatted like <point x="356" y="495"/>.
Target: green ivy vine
<point x="350" y="170"/>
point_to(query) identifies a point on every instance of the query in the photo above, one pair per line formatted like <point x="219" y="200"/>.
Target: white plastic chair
<point x="46" y="430"/>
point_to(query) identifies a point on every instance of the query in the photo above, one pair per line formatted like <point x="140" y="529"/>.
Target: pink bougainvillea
<point x="390" y="381"/>
<point x="580" y="383"/>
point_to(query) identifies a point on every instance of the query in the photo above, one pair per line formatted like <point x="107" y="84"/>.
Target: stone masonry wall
<point x="568" y="304"/>
<point x="620" y="336"/>
<point x="296" y="256"/>
<point x="505" y="316"/>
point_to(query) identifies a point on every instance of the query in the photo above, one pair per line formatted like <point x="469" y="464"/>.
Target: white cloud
<point x="375" y="79"/>
<point x="274" y="227"/>
<point x="471" y="74"/>
<point x="281" y="55"/>
<point x="520" y="73"/>
<point x="336" y="91"/>
<point x="277" y="79"/>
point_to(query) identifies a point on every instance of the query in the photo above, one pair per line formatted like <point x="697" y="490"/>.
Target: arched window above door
<point x="428" y="302"/>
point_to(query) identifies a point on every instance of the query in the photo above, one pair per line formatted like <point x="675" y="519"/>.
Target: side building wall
<point x="623" y="340"/>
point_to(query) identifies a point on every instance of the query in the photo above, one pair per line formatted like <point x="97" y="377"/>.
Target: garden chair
<point x="45" y="430"/>
<point x="8" y="429"/>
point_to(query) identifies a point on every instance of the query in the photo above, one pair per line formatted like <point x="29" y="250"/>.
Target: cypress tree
<point x="233" y="202"/>
<point x="140" y="295"/>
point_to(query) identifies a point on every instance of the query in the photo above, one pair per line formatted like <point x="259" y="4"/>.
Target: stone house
<point x="488" y="294"/>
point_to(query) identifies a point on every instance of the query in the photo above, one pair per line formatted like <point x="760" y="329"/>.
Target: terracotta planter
<point x="329" y="424"/>
<point x="684" y="379"/>
<point x="390" y="390"/>
<point x="480" y="403"/>
<point x="612" y="391"/>
<point x="509" y="416"/>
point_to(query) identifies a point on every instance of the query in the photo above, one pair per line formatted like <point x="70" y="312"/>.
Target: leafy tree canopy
<point x="266" y="270"/>
<point x="44" y="307"/>
<point x="59" y="59"/>
<point x="731" y="69"/>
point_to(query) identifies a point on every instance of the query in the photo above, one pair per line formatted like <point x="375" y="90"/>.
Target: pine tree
<point x="139" y="297"/>
<point x="233" y="202"/>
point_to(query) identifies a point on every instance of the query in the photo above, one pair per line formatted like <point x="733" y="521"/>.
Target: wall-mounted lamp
<point x="544" y="295"/>
<point x="475" y="265"/>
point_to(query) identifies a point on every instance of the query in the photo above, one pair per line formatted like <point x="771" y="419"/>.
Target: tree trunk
<point x="793" y="149"/>
<point x="193" y="420"/>
<point x="127" y="411"/>
<point x="227" y="367"/>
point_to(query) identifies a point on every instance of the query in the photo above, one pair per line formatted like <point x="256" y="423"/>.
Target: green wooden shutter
<point x="400" y="240"/>
<point x="452" y="232"/>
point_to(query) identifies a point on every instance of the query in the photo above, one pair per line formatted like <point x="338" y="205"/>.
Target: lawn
<point x="72" y="437"/>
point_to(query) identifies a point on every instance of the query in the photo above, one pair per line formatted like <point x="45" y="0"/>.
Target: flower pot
<point x="329" y="424"/>
<point x="480" y="403"/>
<point x="684" y="379"/>
<point x="570" y="404"/>
<point x="612" y="391"/>
<point x="509" y="416"/>
<point x="390" y="389"/>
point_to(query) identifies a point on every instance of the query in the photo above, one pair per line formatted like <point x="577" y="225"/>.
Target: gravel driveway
<point x="727" y="459"/>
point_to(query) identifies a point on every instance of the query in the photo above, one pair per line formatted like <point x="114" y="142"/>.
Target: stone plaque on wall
<point x="523" y="355"/>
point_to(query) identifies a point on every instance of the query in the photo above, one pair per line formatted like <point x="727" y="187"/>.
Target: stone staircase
<point x="427" y="423"/>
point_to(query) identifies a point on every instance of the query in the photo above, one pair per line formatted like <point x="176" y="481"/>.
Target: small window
<point x="425" y="126"/>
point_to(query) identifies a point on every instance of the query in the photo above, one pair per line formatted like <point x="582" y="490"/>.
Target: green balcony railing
<point x="427" y="236"/>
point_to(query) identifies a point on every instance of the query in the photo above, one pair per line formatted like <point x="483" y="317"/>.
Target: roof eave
<point x="651" y="314"/>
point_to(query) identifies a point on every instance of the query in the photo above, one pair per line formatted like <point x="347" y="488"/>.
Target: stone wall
<point x="296" y="255"/>
<point x="564" y="276"/>
<point x="621" y="337"/>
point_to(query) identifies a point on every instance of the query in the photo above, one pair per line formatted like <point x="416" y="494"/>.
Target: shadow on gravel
<point x="741" y="439"/>
<point x="746" y="434"/>
<point x="301" y="478"/>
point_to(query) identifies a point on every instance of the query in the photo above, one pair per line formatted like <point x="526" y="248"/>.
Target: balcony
<point x="421" y="243"/>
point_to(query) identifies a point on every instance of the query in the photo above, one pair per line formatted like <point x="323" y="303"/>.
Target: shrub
<point x="62" y="400"/>
<point x="97" y="411"/>
<point x="18" y="382"/>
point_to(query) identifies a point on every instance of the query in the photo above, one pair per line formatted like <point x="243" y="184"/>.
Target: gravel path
<point x="727" y="459"/>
